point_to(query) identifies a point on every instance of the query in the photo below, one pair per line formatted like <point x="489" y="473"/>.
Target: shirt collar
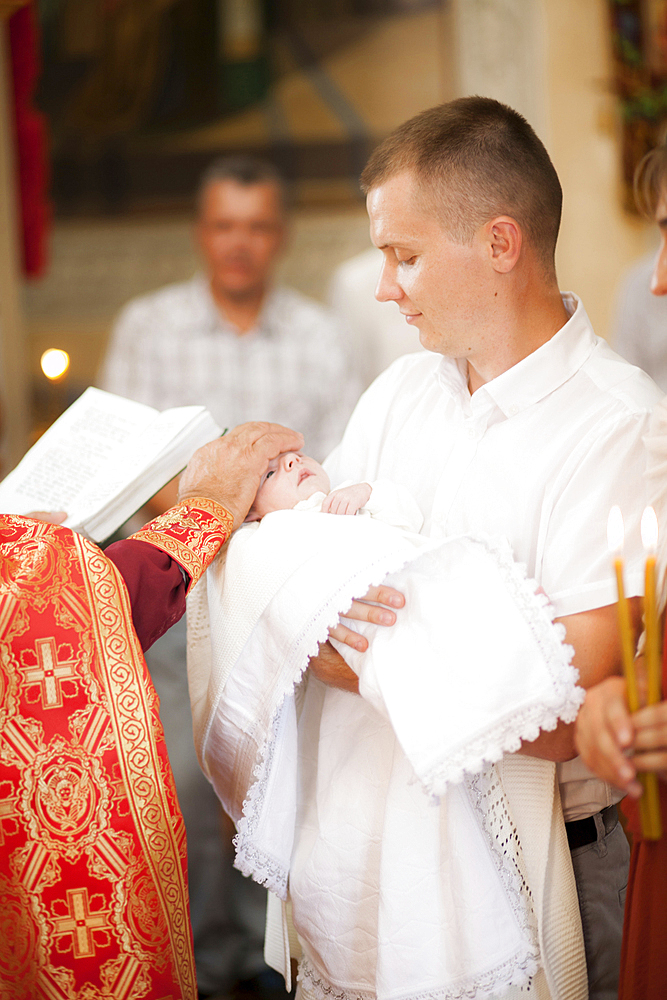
<point x="535" y="376"/>
<point x="216" y="321"/>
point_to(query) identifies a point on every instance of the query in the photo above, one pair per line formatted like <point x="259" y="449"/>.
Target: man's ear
<point x="504" y="239"/>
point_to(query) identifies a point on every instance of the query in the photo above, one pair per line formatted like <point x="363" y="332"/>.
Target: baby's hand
<point x="348" y="500"/>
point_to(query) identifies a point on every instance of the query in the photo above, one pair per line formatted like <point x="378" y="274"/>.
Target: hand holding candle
<point x="650" y="801"/>
<point x="615" y="539"/>
<point x="649" y="531"/>
<point x="651" y="822"/>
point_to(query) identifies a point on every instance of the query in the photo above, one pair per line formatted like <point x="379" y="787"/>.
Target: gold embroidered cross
<point x="81" y="923"/>
<point x="49" y="672"/>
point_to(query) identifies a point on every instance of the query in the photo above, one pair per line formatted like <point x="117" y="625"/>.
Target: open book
<point x="103" y="459"/>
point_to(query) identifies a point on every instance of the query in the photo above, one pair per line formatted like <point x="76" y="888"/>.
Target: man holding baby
<point x="520" y="422"/>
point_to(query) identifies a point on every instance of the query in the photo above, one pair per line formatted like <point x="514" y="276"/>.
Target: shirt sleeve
<point x="607" y="469"/>
<point x="395" y="505"/>
<point x="156" y="584"/>
<point x="165" y="558"/>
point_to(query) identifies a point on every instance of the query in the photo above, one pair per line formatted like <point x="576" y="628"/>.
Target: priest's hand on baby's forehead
<point x="286" y="481"/>
<point x="228" y="469"/>
<point x="274" y="463"/>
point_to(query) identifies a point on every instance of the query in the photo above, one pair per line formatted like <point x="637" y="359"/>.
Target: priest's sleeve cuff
<point x="192" y="533"/>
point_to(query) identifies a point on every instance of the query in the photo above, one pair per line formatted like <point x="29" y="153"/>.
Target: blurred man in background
<point x="640" y="323"/>
<point x="231" y="338"/>
<point x="248" y="349"/>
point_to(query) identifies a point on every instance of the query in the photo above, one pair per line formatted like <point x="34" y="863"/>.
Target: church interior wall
<point x="560" y="67"/>
<point x="599" y="239"/>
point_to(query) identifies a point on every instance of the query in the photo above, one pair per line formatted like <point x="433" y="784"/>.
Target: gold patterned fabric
<point x="93" y="892"/>
<point x="191" y="533"/>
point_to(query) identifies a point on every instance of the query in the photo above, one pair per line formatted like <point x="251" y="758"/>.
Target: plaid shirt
<point x="173" y="348"/>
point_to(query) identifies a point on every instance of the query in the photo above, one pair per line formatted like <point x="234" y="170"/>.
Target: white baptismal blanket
<point x="395" y="893"/>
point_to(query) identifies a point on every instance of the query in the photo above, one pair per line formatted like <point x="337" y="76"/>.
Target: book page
<point x="89" y="435"/>
<point x="143" y="450"/>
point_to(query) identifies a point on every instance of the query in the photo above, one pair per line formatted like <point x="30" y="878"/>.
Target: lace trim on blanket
<point x="566" y="700"/>
<point x="249" y="860"/>
<point x="490" y="804"/>
<point x="474" y="756"/>
<point x="495" y="982"/>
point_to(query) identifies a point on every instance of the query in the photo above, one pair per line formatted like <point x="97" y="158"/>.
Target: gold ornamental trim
<point x="122" y="669"/>
<point x="192" y="533"/>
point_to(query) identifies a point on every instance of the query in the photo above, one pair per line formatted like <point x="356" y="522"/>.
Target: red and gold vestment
<point x="643" y="963"/>
<point x="93" y="885"/>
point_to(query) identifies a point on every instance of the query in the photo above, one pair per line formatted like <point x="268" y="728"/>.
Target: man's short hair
<point x="476" y="158"/>
<point x="650" y="181"/>
<point x="244" y="170"/>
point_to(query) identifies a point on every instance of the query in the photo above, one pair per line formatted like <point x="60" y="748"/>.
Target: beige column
<point x="13" y="367"/>
<point x="501" y="52"/>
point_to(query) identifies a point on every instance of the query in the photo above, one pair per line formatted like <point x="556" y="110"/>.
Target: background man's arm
<point x="597" y="655"/>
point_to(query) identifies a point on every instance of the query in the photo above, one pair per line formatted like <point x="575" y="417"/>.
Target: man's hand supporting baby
<point x="329" y="666"/>
<point x="290" y="478"/>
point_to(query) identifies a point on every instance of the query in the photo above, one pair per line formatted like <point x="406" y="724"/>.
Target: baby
<point x="296" y="481"/>
<point x="327" y="790"/>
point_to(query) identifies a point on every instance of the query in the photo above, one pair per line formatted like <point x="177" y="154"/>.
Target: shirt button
<point x="514" y="409"/>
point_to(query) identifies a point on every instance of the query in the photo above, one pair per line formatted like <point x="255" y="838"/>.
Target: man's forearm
<point x="594" y="636"/>
<point x="330" y="668"/>
<point x="557" y="745"/>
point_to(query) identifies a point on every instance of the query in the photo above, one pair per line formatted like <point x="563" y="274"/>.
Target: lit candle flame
<point x="649" y="530"/>
<point x="615" y="531"/>
<point x="54" y="363"/>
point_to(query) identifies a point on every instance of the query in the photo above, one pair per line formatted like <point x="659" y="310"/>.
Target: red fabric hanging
<point x="31" y="142"/>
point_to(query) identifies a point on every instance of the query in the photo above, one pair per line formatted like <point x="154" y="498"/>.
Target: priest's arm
<point x="167" y="556"/>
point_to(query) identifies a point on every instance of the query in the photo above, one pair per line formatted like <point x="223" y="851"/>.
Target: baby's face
<point x="289" y="478"/>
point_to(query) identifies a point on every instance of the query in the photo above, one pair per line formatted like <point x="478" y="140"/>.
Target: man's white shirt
<point x="173" y="348"/>
<point x="538" y="455"/>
